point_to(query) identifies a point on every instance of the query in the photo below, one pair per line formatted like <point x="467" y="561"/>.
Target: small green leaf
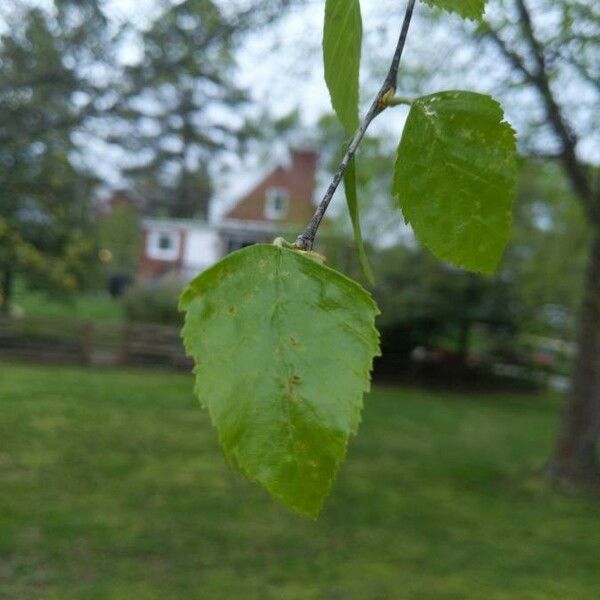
<point x="470" y="9"/>
<point x="283" y="348"/>
<point x="342" y="39"/>
<point x="455" y="177"/>
<point x="352" y="201"/>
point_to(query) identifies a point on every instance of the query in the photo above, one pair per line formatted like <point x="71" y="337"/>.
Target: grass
<point x="113" y="487"/>
<point x="96" y="305"/>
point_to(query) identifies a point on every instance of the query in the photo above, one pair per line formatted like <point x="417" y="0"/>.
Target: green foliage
<point x="95" y="305"/>
<point x="301" y="340"/>
<point x="283" y="346"/>
<point x="547" y="253"/>
<point x="119" y="233"/>
<point x="194" y="71"/>
<point x="425" y="302"/>
<point x="342" y="38"/>
<point x="153" y="302"/>
<point x="184" y="79"/>
<point x="470" y="9"/>
<point x="455" y="177"/>
<point x="352" y="200"/>
<point x="45" y="230"/>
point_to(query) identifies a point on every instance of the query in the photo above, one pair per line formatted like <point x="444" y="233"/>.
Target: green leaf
<point x="342" y="39"/>
<point x="283" y="348"/>
<point x="455" y="177"/>
<point x="470" y="9"/>
<point x="352" y="201"/>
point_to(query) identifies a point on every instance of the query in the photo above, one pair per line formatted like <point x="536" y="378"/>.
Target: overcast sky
<point x="282" y="66"/>
<point x="282" y="69"/>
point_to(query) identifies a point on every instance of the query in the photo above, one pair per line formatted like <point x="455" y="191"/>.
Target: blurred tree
<point x="551" y="49"/>
<point x="44" y="213"/>
<point x="49" y="55"/>
<point x="119" y="239"/>
<point x="435" y="305"/>
<point x="181" y="103"/>
<point x="547" y="251"/>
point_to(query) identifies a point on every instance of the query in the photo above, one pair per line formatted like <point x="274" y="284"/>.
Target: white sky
<point x="282" y="67"/>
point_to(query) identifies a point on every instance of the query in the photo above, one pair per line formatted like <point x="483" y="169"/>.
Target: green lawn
<point x="96" y="305"/>
<point x="112" y="486"/>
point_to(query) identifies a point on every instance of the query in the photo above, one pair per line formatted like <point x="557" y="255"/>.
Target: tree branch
<point x="536" y="48"/>
<point x="513" y="58"/>
<point x="306" y="239"/>
<point x="540" y="80"/>
<point x="579" y="179"/>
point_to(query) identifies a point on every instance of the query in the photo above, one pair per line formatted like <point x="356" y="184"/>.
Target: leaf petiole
<point x="399" y="100"/>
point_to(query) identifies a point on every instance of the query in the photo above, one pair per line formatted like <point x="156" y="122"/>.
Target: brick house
<point x="281" y="203"/>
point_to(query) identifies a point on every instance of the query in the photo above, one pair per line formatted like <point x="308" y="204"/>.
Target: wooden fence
<point x="53" y="340"/>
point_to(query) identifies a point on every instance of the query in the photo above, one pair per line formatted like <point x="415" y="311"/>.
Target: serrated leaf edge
<point x="470" y="17"/>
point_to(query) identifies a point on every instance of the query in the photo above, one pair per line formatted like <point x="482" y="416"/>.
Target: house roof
<point x="298" y="178"/>
<point x="174" y="223"/>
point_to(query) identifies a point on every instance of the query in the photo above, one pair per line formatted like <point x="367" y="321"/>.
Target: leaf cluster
<point x="283" y="345"/>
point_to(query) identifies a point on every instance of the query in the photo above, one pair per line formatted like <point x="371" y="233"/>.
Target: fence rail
<point x="55" y="340"/>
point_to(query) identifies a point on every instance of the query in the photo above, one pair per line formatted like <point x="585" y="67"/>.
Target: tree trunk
<point x="6" y="290"/>
<point x="576" y="456"/>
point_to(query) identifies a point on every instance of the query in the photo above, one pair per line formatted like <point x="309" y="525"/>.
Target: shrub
<point x="153" y="302"/>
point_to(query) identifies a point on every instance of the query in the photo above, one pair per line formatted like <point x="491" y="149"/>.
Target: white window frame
<point x="272" y="211"/>
<point x="155" y="252"/>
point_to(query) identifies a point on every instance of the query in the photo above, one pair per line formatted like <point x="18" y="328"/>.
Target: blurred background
<point x="142" y="141"/>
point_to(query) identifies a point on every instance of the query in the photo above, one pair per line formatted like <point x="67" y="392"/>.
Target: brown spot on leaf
<point x="293" y="381"/>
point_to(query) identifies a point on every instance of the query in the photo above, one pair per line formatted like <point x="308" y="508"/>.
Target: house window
<point x="165" y="242"/>
<point x="163" y="245"/>
<point x="276" y="203"/>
